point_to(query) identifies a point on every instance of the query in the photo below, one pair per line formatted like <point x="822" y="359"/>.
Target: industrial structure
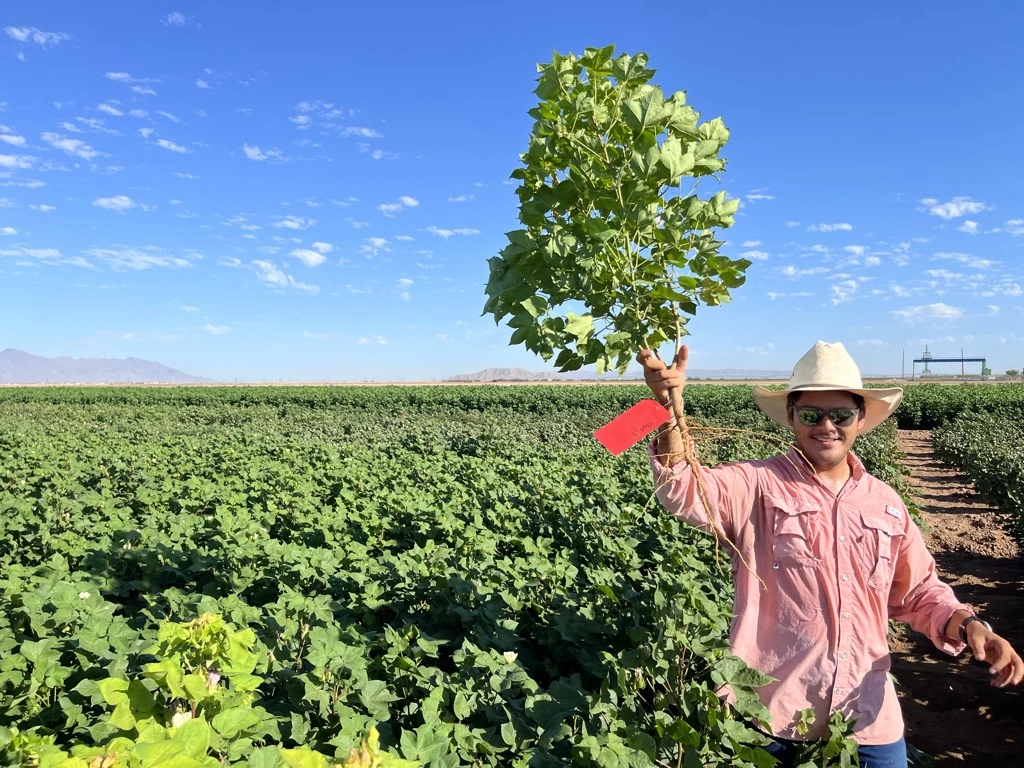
<point x="927" y="358"/>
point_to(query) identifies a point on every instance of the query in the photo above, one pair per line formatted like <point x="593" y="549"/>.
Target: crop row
<point x="925" y="406"/>
<point x="989" y="447"/>
<point x="488" y="589"/>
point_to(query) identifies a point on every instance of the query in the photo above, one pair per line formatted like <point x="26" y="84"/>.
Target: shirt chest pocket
<point x="879" y="546"/>
<point x="796" y="540"/>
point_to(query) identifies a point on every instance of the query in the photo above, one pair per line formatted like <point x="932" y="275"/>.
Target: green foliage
<point x="927" y="406"/>
<point x="989" y="447"/>
<point x="607" y="224"/>
<point x="463" y="568"/>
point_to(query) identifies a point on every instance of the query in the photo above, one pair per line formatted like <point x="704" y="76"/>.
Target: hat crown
<point x="826" y="366"/>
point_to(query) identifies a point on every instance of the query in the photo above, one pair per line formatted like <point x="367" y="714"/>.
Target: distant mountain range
<point x="17" y="367"/>
<point x="518" y="374"/>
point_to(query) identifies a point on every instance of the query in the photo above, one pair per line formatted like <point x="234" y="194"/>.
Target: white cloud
<point x="200" y="83"/>
<point x="357" y="224"/>
<point x="792" y="224"/>
<point x="993" y="309"/>
<point x="74" y="147"/>
<point x="872" y="261"/>
<point x="446" y="233"/>
<point x="188" y="308"/>
<point x="322" y="247"/>
<point x="461" y="199"/>
<point x="755" y="255"/>
<point x="255" y="153"/>
<point x="188" y="176"/>
<point x="404" y="282"/>
<point x="36" y="36"/>
<point x="138" y="259"/>
<point x="844" y="291"/>
<point x="373" y="246"/>
<point x="758" y="196"/>
<point x="953" y="209"/>
<point x="404" y="201"/>
<point x="937" y="311"/>
<point x="269" y="274"/>
<point x="856" y="250"/>
<point x="294" y="222"/>
<point x="117" y="203"/>
<point x="791" y="271"/>
<point x="124" y="77"/>
<point x="841" y="226"/>
<point x="145" y="132"/>
<point x="8" y="231"/>
<point x="170" y="116"/>
<point x="1015" y="226"/>
<point x="364" y="133"/>
<point x="217" y="330"/>
<point x="375" y="340"/>
<point x="965" y="258"/>
<point x="970" y="227"/>
<point x="43" y="208"/>
<point x="19" y="162"/>
<point x="381" y="154"/>
<point x="12" y="139"/>
<point x="751" y="243"/>
<point x="174" y="19"/>
<point x="308" y="257"/>
<point x="230" y="261"/>
<point x="96" y="125"/>
<point x="403" y="239"/>
<point x="140" y="113"/>
<point x="110" y="109"/>
<point x="168" y="144"/>
<point x="145" y="90"/>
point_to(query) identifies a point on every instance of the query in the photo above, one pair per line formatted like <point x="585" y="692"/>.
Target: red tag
<point x="629" y="428"/>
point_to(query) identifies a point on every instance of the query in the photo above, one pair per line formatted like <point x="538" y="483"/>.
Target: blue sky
<point x="311" y="191"/>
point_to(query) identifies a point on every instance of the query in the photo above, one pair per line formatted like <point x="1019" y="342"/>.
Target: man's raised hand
<point x="659" y="377"/>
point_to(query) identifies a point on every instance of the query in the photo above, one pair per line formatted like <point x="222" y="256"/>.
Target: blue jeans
<point x="871" y="755"/>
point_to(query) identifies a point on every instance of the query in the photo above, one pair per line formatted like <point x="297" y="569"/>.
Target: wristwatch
<point x="968" y="620"/>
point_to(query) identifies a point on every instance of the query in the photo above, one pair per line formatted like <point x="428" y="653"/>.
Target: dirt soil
<point x="952" y="713"/>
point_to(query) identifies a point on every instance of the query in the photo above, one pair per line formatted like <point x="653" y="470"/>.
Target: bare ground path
<point x="952" y="713"/>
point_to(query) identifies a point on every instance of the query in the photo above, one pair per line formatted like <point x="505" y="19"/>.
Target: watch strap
<point x="968" y="620"/>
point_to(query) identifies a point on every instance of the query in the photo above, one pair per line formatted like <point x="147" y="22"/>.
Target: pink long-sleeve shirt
<point x="817" y="576"/>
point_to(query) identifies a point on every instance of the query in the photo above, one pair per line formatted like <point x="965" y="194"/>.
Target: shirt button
<point x="775" y="566"/>
<point x="840" y="690"/>
<point x="842" y="538"/>
<point x="846" y="615"/>
<point x="843" y="655"/>
<point x="846" y="577"/>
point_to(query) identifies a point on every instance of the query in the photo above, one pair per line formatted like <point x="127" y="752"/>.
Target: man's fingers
<point x="680" y="361"/>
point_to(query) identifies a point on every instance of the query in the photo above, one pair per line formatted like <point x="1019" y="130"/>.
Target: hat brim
<point x="879" y="404"/>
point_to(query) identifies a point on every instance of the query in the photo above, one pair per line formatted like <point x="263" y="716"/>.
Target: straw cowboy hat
<point x="829" y="367"/>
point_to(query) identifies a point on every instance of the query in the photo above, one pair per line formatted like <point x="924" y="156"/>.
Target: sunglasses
<point x="840" y="417"/>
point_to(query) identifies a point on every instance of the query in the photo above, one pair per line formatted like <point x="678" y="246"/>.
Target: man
<point x="823" y="554"/>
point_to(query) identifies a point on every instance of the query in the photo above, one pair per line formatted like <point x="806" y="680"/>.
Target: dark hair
<point x="792" y="397"/>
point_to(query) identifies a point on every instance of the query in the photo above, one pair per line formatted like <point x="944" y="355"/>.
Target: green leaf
<point x="376" y="697"/>
<point x="114" y="690"/>
<point x="194" y="737"/>
<point x="580" y="326"/>
<point x="122" y="717"/>
<point x="232" y="722"/>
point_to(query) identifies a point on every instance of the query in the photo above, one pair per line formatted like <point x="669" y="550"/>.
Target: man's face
<point x="825" y="445"/>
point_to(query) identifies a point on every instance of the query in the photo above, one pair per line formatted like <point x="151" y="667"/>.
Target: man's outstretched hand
<point x="661" y="378"/>
<point x="1004" y="663"/>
